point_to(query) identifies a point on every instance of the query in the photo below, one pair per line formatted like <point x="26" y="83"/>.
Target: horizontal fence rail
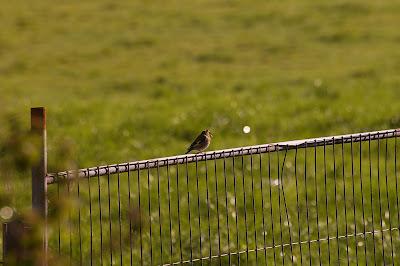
<point x="190" y="158"/>
<point x="317" y="201"/>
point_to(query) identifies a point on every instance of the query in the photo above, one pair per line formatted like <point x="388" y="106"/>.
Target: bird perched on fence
<point x="201" y="142"/>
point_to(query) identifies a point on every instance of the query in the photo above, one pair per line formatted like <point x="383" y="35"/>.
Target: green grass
<point x="128" y="80"/>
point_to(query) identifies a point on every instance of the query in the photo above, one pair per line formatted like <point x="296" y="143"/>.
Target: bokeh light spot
<point x="317" y="83"/>
<point x="6" y="213"/>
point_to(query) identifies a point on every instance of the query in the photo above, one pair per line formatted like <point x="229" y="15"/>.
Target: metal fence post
<point x="39" y="171"/>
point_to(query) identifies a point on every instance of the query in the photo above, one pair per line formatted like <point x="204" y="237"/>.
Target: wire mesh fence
<point x="317" y="201"/>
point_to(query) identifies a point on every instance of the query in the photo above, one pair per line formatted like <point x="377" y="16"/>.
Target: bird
<point x="201" y="142"/>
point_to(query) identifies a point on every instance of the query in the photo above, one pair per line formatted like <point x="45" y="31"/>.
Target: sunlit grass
<point x="129" y="80"/>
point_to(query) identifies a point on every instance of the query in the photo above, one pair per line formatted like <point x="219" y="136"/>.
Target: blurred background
<point x="129" y="80"/>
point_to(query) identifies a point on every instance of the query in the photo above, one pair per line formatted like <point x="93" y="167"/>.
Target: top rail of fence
<point x="212" y="155"/>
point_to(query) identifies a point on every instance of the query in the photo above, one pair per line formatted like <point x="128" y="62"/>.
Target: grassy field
<point x="128" y="80"/>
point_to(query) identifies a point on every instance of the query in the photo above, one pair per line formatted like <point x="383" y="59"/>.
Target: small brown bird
<point x="201" y="142"/>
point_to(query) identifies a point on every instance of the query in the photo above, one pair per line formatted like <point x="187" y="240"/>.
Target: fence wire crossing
<point x="316" y="201"/>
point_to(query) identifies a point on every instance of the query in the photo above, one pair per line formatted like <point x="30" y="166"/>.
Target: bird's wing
<point x="197" y="141"/>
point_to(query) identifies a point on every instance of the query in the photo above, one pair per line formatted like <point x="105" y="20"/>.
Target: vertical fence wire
<point x="371" y="195"/>
<point x="159" y="215"/>
<point x="150" y="216"/>
<point x="388" y="201"/>
<point x="307" y="208"/>
<point x="100" y="216"/>
<point x="316" y="202"/>
<point x="397" y="190"/>
<point x="345" y="200"/>
<point x="198" y="211"/>
<point x="326" y="205"/>
<point x="354" y="200"/>
<point x="90" y="221"/>
<point x="236" y="211"/>
<point x="217" y="207"/>
<point x="140" y="218"/>
<point x="362" y="205"/>
<point x="69" y="219"/>
<point x="380" y="203"/>
<point x="279" y="210"/>
<point x="189" y="216"/>
<point x="336" y="201"/>
<point x="119" y="214"/>
<point x="298" y="207"/>
<point x="280" y="181"/>
<point x="227" y="211"/>
<point x="59" y="181"/>
<point x="245" y="208"/>
<point x="262" y="209"/>
<point x="270" y="200"/>
<point x="79" y="221"/>
<point x="130" y="211"/>
<point x="179" y="213"/>
<point x="254" y="206"/>
<point x="109" y="217"/>
<point x="208" y="212"/>
<point x="169" y="214"/>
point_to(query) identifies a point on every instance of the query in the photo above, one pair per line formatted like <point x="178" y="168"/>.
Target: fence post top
<point x="38" y="117"/>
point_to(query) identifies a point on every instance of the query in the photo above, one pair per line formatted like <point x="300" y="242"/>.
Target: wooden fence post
<point x="39" y="172"/>
<point x="18" y="246"/>
<point x="21" y="244"/>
